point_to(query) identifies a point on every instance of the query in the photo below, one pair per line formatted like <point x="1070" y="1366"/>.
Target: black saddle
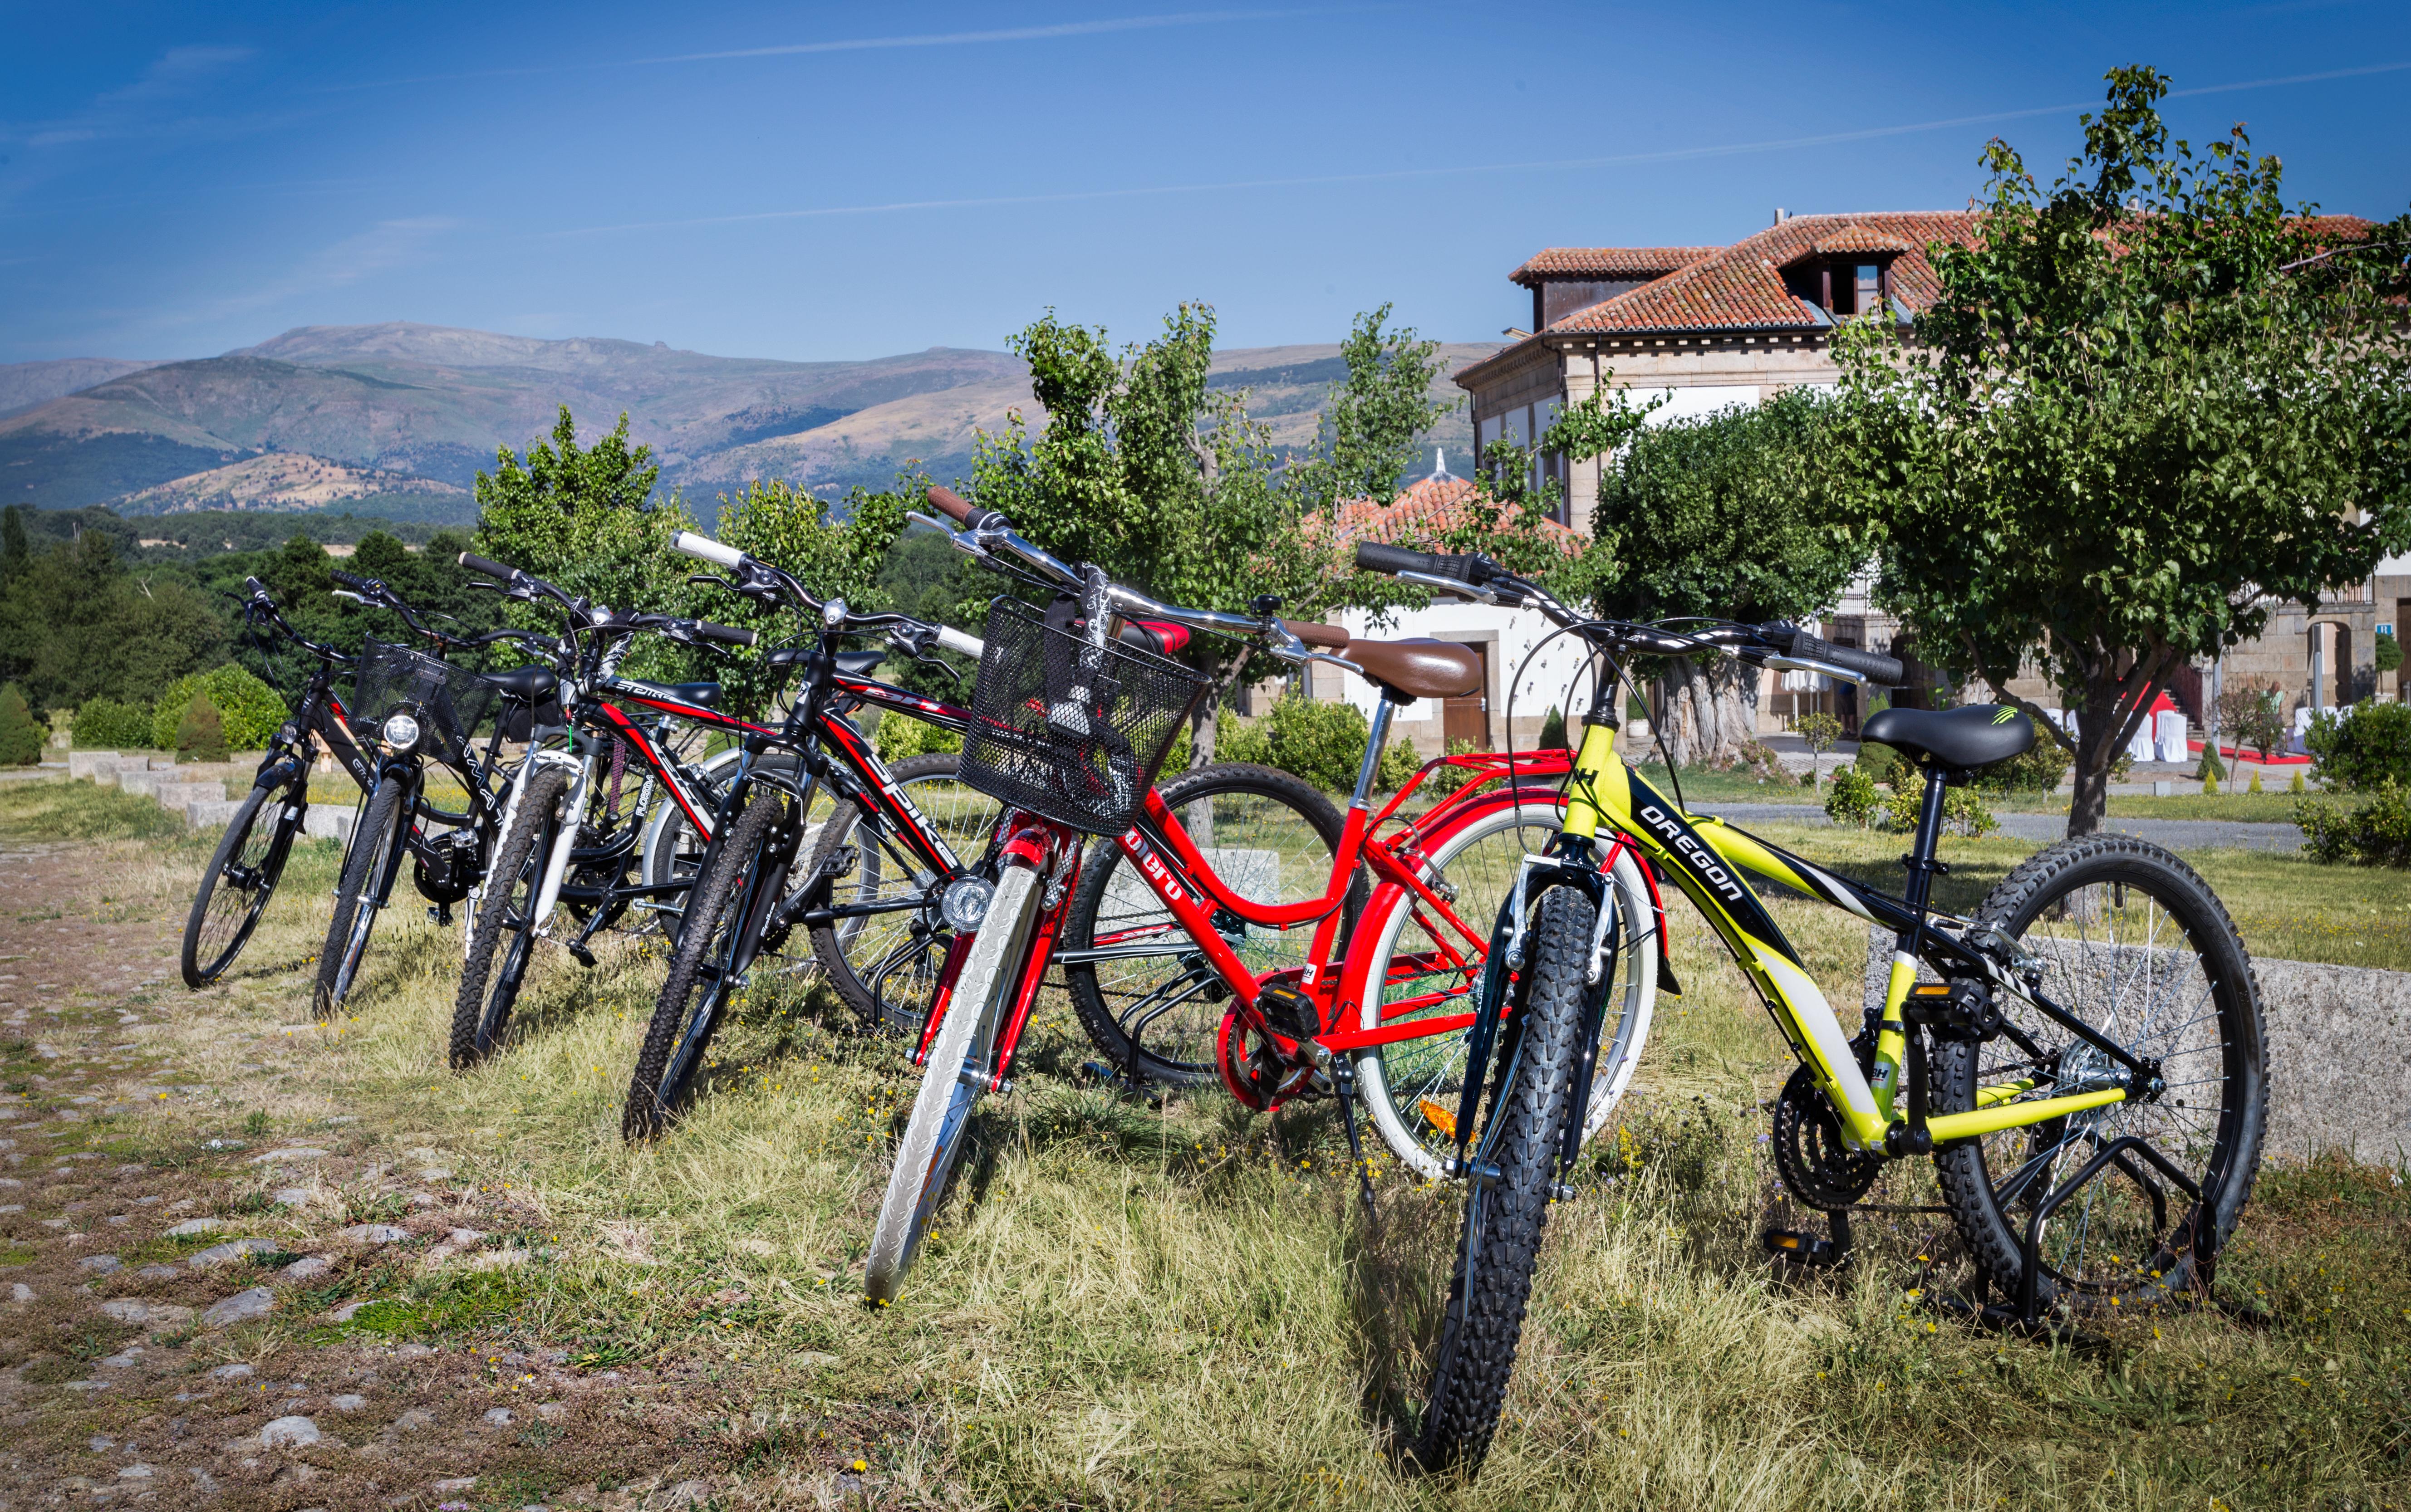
<point x="1976" y="735"/>
<point x="860" y="663"/>
<point x="527" y="684"/>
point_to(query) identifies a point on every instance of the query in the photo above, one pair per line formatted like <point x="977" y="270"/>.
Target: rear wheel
<point x="2135" y="945"/>
<point x="1145" y="993"/>
<point x="885" y="966"/>
<point x="960" y="1060"/>
<point x="241" y="878"/>
<point x="368" y="868"/>
<point x="702" y="978"/>
<point x="1427" y="964"/>
<point x="1508" y="1206"/>
<point x="506" y="922"/>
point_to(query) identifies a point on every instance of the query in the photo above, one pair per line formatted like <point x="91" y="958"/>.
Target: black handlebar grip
<point x="255" y="585"/>
<point x="1373" y="557"/>
<point x="348" y="579"/>
<point x="487" y="566"/>
<point x="1881" y="671"/>
<point x="725" y="634"/>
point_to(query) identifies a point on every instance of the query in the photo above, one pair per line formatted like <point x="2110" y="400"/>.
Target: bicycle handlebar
<point x="488" y="566"/>
<point x="725" y="634"/>
<point x="708" y="549"/>
<point x="1882" y="671"/>
<point x="1465" y="567"/>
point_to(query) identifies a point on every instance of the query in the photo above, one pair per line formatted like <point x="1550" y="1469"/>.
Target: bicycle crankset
<point x="1818" y="1169"/>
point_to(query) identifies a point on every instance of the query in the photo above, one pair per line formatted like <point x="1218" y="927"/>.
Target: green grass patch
<point x="67" y="811"/>
<point x="478" y="1302"/>
<point x="18" y="1255"/>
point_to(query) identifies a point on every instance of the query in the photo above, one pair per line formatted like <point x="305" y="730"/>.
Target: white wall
<point x="1512" y="634"/>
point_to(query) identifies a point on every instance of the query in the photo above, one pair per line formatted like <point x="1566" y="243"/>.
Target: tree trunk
<point x="2097" y="746"/>
<point x="1710" y="708"/>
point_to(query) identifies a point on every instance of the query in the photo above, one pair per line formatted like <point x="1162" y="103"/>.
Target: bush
<point x="1243" y="743"/>
<point x="1399" y="762"/>
<point x="1962" y="811"/>
<point x="2040" y="768"/>
<point x="1878" y="764"/>
<point x="1323" y="743"/>
<point x="1756" y="761"/>
<point x="901" y="735"/>
<point x="2377" y="834"/>
<point x="106" y="724"/>
<point x="2296" y="785"/>
<point x="2211" y="769"/>
<point x="2370" y="745"/>
<point x="2386" y="653"/>
<point x="200" y="735"/>
<point x="249" y="710"/>
<point x="21" y="734"/>
<point x="1553" y="729"/>
<point x="1853" y="798"/>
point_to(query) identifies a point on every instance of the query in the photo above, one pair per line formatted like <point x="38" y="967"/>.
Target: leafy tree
<point x="1818" y="731"/>
<point x="248" y="710"/>
<point x="1730" y="516"/>
<point x="109" y="724"/>
<point x="836" y="558"/>
<point x="74" y="624"/>
<point x="22" y="735"/>
<point x="200" y="734"/>
<point x="2151" y="402"/>
<point x="585" y="519"/>
<point x="16" y="552"/>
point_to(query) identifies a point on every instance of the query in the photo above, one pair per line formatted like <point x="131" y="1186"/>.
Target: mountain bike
<point x="416" y="710"/>
<point x="2082" y="1058"/>
<point x="745" y="903"/>
<point x="571" y="835"/>
<point x="1065" y="722"/>
<point x="242" y="873"/>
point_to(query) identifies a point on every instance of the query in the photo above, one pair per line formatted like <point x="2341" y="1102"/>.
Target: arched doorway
<point x="2330" y="645"/>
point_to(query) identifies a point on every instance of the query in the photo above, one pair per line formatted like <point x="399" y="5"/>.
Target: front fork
<point x="533" y="762"/>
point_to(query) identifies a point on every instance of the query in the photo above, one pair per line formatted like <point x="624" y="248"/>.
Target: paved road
<point x="2175" y="833"/>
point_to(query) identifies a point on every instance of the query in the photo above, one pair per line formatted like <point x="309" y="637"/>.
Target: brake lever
<point x="346" y="594"/>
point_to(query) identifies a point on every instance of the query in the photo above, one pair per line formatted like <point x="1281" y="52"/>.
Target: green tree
<point x="22" y="735"/>
<point x="1732" y="515"/>
<point x="836" y="558"/>
<point x="585" y="519"/>
<point x="16" y="552"/>
<point x="2149" y="404"/>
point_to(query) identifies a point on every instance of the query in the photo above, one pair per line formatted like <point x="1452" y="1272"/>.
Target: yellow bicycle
<point x="2083" y="1058"/>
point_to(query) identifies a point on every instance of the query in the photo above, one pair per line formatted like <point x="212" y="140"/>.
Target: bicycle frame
<point x="1711" y="861"/>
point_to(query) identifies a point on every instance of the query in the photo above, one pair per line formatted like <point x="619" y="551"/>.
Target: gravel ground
<point x="2175" y="833"/>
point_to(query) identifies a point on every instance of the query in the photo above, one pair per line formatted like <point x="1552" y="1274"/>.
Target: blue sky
<point x="808" y="182"/>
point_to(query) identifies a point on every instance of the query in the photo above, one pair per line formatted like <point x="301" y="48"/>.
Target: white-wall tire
<point x="933" y="1134"/>
<point x="1395" y="1078"/>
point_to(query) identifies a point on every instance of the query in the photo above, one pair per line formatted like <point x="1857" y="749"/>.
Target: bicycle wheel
<point x="1270" y="838"/>
<point x="1426" y="966"/>
<point x="958" y="1069"/>
<point x="700" y="982"/>
<point x="1506" y="1212"/>
<point x="241" y="878"/>
<point x="674" y="846"/>
<point x="366" y="866"/>
<point x="2136" y="946"/>
<point x="506" y="922"/>
<point x="885" y="966"/>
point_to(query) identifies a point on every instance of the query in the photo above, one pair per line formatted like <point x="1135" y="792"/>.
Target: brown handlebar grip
<point x="1327" y="637"/>
<point x="946" y="501"/>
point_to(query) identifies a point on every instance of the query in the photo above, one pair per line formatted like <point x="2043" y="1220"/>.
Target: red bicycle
<point x="1179" y="939"/>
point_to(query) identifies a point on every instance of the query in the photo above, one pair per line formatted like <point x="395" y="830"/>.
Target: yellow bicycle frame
<point x="1708" y="859"/>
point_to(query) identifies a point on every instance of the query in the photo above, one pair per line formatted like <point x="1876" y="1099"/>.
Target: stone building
<point x="1707" y="328"/>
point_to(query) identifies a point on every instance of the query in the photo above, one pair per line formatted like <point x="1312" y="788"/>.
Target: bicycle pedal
<point x="1804" y="1249"/>
<point x="579" y="953"/>
<point x="442" y="914"/>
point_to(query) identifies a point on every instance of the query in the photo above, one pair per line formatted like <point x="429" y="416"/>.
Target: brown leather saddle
<point x="1405" y="670"/>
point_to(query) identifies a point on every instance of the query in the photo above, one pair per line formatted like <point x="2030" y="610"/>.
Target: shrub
<point x="200" y="735"/>
<point x="2386" y="653"/>
<point x="2369" y="745"/>
<point x="2253" y="715"/>
<point x="106" y="724"/>
<point x="1399" y="762"/>
<point x="1962" y="811"/>
<point x="2212" y="770"/>
<point x="901" y="735"/>
<point x="2256" y="779"/>
<point x="1243" y="743"/>
<point x="1319" y="742"/>
<point x="1878" y="764"/>
<point x="2296" y="785"/>
<point x="1853" y="797"/>
<point x="2377" y="833"/>
<point x="1553" y="729"/>
<point x="21" y="734"/>
<point x="1756" y="761"/>
<point x="2039" y="768"/>
<point x="249" y="710"/>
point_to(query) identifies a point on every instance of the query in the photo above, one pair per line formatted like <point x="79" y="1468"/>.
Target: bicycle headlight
<point x="964" y="903"/>
<point x="400" y="732"/>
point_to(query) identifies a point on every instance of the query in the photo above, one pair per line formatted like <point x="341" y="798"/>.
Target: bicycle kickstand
<point x="1343" y="1080"/>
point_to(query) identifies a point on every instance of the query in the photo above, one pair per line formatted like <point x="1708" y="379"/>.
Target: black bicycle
<point x="249" y="861"/>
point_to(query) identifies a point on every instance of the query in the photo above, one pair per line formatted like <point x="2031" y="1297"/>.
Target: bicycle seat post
<point x="1375" y="739"/>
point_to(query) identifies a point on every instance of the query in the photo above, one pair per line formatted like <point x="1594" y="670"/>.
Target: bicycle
<point x="1065" y="721"/>
<point x="566" y="838"/>
<point x="421" y="708"/>
<point x="2034" y="1045"/>
<point x="741" y="906"/>
<point x="242" y="873"/>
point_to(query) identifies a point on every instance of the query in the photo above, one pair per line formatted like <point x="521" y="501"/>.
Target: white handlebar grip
<point x="955" y="640"/>
<point x="707" y="548"/>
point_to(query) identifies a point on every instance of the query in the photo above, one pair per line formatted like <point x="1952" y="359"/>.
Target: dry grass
<point x="1134" y="1306"/>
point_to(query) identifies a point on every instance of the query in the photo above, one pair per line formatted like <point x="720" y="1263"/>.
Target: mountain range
<point x="397" y="418"/>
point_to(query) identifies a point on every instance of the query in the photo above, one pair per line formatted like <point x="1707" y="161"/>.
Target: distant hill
<point x="400" y="402"/>
<point x="25" y="385"/>
<point x="293" y="480"/>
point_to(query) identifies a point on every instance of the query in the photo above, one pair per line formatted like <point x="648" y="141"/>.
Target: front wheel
<point x="367" y="867"/>
<point x="1507" y="1201"/>
<point x="960" y="1062"/>
<point x="2133" y="943"/>
<point x="241" y="878"/>
<point x="506" y="922"/>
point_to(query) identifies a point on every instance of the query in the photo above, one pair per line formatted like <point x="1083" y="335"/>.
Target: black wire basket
<point x="1068" y="730"/>
<point x="392" y="679"/>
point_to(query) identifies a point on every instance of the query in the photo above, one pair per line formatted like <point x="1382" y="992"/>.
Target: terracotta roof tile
<point x="1607" y="262"/>
<point x="1856" y="237"/>
<point x="1424" y="513"/>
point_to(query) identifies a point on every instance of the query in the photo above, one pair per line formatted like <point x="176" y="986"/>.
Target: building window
<point x="1866" y="289"/>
